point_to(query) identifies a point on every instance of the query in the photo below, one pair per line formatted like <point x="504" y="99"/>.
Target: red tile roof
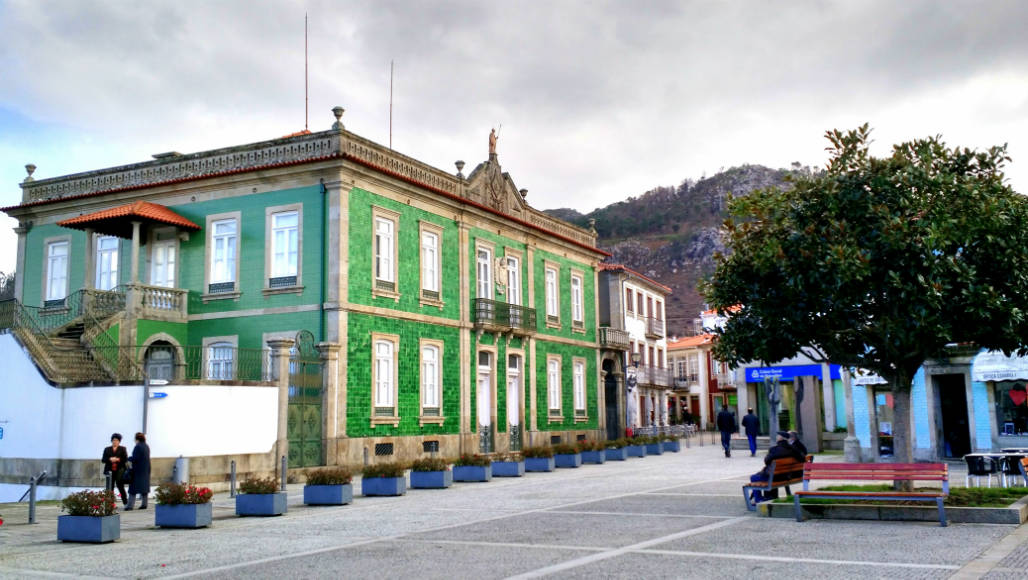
<point x="117" y="221"/>
<point x="690" y="341"/>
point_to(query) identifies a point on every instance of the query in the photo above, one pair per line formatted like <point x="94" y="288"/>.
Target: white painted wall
<point x="43" y="422"/>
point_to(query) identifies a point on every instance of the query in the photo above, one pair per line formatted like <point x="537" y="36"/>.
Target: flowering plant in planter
<point x="176" y="494"/>
<point x="384" y="479"/>
<point x="90" y="503"/>
<point x="430" y="464"/>
<point x="473" y="460"/>
<point x="540" y="451"/>
<point x="392" y="469"/>
<point x="616" y="443"/>
<point x="259" y="485"/>
<point x="329" y="476"/>
<point x="564" y="449"/>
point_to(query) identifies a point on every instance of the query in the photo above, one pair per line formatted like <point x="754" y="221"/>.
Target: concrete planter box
<point x="335" y="494"/>
<point x="594" y="456"/>
<point x="636" y="450"/>
<point x="616" y="454"/>
<point x="195" y="515"/>
<point x="384" y="486"/>
<point x="539" y="464"/>
<point x="261" y="504"/>
<point x="655" y="448"/>
<point x="673" y="446"/>
<point x="568" y="459"/>
<point x="431" y="479"/>
<point x="1015" y="514"/>
<point x="508" y="468"/>
<point x="92" y="529"/>
<point x="472" y="472"/>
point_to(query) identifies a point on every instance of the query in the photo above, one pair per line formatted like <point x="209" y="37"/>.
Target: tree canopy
<point x="877" y="263"/>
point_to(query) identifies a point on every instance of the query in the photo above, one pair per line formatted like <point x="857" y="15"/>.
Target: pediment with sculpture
<point x="490" y="186"/>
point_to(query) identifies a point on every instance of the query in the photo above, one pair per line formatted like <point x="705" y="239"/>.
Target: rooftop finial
<point x="338" y="112"/>
<point x="460" y="167"/>
<point x="30" y="168"/>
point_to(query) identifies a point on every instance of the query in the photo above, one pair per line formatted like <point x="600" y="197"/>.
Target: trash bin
<point x="180" y="474"/>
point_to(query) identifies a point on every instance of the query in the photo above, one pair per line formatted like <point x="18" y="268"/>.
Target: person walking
<point x="115" y="458"/>
<point x="752" y="425"/>
<point x="139" y="480"/>
<point x="726" y="424"/>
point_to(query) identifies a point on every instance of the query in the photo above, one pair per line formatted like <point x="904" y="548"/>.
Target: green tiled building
<point x="422" y="310"/>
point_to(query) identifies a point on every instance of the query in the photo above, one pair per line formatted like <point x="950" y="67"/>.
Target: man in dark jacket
<point x="801" y="449"/>
<point x="752" y="425"/>
<point x="726" y="425"/>
<point x="780" y="450"/>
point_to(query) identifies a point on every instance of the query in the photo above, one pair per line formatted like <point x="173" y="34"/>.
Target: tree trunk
<point x="902" y="442"/>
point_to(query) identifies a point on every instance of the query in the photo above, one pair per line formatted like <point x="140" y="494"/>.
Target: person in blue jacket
<point x="726" y="425"/>
<point x="139" y="484"/>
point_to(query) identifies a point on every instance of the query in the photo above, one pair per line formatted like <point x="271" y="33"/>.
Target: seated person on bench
<point x="780" y="450"/>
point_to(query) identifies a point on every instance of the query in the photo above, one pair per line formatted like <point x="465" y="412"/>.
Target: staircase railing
<point x="14" y="317"/>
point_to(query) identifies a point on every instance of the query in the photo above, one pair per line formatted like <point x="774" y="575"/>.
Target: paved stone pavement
<point x="679" y="515"/>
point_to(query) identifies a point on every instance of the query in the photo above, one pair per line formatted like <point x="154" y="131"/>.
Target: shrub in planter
<point x="384" y="479"/>
<point x="91" y="517"/>
<point x="566" y="455"/>
<point x="654" y="446"/>
<point x="636" y="447"/>
<point x="508" y="465"/>
<point x="431" y="473"/>
<point x="469" y="467"/>
<point x="539" y="458"/>
<point x="260" y="497"/>
<point x="671" y="443"/>
<point x="329" y="486"/>
<point x="592" y="451"/>
<point x="183" y="506"/>
<point x="616" y="449"/>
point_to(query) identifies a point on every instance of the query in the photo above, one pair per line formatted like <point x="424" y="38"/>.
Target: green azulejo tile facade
<point x="569" y="418"/>
<point x="408" y="387"/>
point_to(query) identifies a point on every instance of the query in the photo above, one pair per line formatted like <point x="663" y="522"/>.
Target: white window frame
<point x="553" y="388"/>
<point x="272" y="267"/>
<point x="385" y="395"/>
<point x="487" y="372"/>
<point x="484" y="287"/>
<point x="551" y="281"/>
<point x="385" y="261"/>
<point x="431" y="264"/>
<point x="515" y="378"/>
<point x="579" y="384"/>
<point x="431" y="378"/>
<point x="164" y="238"/>
<point x="106" y="278"/>
<point x="577" y="301"/>
<point x="210" y="256"/>
<point x="231" y="344"/>
<point x="58" y="269"/>
<point x="514" y="289"/>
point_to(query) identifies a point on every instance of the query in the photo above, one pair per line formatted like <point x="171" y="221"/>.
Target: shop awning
<point x="118" y="221"/>
<point x="996" y="366"/>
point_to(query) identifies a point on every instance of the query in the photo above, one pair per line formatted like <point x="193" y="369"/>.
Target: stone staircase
<point x="64" y="361"/>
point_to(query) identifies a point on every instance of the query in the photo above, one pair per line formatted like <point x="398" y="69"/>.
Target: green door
<point x="305" y="397"/>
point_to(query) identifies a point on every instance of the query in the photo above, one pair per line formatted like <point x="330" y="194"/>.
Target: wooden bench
<point x="784" y="472"/>
<point x="879" y="472"/>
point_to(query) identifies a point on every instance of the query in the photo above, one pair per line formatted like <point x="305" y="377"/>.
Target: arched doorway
<point x="160" y="361"/>
<point x="615" y="426"/>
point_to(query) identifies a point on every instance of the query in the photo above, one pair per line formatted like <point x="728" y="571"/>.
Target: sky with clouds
<point x="598" y="100"/>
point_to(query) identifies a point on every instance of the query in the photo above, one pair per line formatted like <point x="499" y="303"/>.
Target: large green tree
<point x="877" y="263"/>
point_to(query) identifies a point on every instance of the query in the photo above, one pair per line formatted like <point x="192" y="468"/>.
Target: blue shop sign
<point x="788" y="373"/>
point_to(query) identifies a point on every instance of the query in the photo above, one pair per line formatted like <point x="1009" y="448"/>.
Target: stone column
<point x="331" y="395"/>
<point x="828" y="396"/>
<point x="851" y="446"/>
<point x="704" y="375"/>
<point x="90" y="277"/>
<point x="280" y="373"/>
<point x="19" y="282"/>
<point x="466" y="354"/>
<point x="135" y="252"/>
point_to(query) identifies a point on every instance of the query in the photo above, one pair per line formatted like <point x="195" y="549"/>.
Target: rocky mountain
<point x="671" y="233"/>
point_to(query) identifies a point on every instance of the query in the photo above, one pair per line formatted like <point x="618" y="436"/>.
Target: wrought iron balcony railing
<point x="501" y="316"/>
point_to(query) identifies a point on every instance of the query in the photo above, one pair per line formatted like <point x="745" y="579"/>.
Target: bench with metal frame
<point x="783" y="473"/>
<point x="879" y="472"/>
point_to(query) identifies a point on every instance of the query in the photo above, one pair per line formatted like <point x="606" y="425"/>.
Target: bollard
<point x="110" y="485"/>
<point x="32" y="500"/>
<point x="284" y="472"/>
<point x="232" y="480"/>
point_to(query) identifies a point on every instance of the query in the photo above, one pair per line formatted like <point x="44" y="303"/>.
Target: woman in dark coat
<point x="115" y="460"/>
<point x="140" y="474"/>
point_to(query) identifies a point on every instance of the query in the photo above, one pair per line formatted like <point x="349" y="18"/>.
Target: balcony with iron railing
<point x="613" y="338"/>
<point x="653" y="376"/>
<point x="654" y="328"/>
<point x="496" y="316"/>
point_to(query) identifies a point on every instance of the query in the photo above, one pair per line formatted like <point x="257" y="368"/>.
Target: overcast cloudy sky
<point x="598" y="100"/>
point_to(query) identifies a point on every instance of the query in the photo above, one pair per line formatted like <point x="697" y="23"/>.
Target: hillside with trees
<point x="671" y="233"/>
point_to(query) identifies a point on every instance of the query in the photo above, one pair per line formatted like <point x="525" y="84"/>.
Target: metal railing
<point x="654" y="327"/>
<point x="496" y="314"/>
<point x="190" y="363"/>
<point x="653" y="375"/>
<point x="613" y="338"/>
